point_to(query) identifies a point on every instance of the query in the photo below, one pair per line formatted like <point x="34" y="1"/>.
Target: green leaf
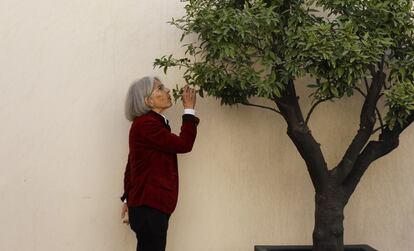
<point x="250" y="51"/>
<point x="334" y="91"/>
<point x="340" y="72"/>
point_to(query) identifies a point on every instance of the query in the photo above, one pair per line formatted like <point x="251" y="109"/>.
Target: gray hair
<point x="135" y="100"/>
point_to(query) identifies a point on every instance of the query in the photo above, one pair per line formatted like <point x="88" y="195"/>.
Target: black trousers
<point x="150" y="226"/>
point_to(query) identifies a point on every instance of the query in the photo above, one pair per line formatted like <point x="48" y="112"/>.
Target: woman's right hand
<point x="124" y="212"/>
<point x="189" y="97"/>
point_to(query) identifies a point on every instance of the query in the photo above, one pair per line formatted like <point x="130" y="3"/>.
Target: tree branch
<point x="367" y="122"/>
<point x="376" y="110"/>
<point x="388" y="140"/>
<point x="371" y="68"/>
<point x="379" y="119"/>
<point x="261" y="106"/>
<point x="301" y="136"/>
<point x="366" y="84"/>
<point x="313" y="108"/>
<point x="373" y="151"/>
<point x="377" y="129"/>
<point x="361" y="92"/>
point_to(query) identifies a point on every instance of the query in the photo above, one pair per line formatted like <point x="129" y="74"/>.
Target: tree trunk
<point x="328" y="234"/>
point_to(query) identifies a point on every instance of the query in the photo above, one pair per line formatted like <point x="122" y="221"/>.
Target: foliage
<point x="254" y="48"/>
<point x="401" y="103"/>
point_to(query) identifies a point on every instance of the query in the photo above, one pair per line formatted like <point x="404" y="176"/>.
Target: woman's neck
<point x="157" y="110"/>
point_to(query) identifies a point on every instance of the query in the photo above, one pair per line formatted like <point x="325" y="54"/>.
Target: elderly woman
<point x="151" y="174"/>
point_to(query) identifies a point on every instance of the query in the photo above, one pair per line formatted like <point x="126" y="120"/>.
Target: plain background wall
<point x="65" y="67"/>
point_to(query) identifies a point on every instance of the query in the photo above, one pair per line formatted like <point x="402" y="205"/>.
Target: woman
<point x="151" y="174"/>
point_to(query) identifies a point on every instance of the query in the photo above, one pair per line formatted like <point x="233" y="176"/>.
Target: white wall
<point x="64" y="70"/>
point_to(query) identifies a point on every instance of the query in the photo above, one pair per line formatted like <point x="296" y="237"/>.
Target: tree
<point x="259" y="48"/>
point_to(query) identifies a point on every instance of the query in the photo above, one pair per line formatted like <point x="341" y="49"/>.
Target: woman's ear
<point x="148" y="102"/>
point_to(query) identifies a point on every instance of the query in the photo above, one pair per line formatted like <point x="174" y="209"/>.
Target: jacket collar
<point x="158" y="116"/>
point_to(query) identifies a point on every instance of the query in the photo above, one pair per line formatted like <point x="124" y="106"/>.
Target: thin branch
<point x="379" y="119"/>
<point x="381" y="64"/>
<point x="261" y="106"/>
<point x="366" y="83"/>
<point x="376" y="111"/>
<point x="382" y="127"/>
<point x="361" y="92"/>
<point x="381" y="68"/>
<point x="385" y="85"/>
<point x="372" y="69"/>
<point x="313" y="108"/>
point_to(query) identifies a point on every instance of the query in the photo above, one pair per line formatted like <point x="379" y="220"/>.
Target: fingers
<point x="124" y="210"/>
<point x="189" y="97"/>
<point x="189" y="90"/>
<point x="125" y="221"/>
<point x="123" y="213"/>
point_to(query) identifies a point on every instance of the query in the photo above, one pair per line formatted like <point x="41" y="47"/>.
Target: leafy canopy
<point x="254" y="48"/>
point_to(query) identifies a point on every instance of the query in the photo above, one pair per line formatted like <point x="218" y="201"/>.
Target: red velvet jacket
<point x="151" y="174"/>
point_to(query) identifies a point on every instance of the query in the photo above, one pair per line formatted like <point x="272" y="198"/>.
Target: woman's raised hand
<point x="189" y="97"/>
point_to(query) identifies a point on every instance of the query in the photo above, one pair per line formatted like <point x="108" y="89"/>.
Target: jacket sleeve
<point x="127" y="181"/>
<point x="156" y="135"/>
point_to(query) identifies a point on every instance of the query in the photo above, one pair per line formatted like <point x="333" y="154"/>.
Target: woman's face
<point x="160" y="98"/>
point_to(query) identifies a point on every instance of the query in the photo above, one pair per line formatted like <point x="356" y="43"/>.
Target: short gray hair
<point x="135" y="100"/>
